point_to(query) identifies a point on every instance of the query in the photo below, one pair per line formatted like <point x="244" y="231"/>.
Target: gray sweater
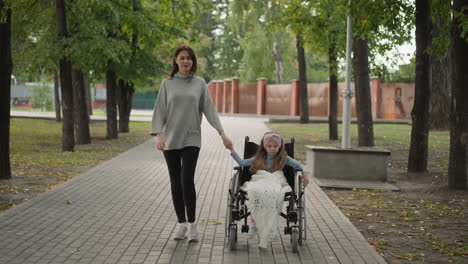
<point x="178" y="111"/>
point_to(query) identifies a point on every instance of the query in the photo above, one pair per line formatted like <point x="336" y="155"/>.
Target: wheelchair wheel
<point x="233" y="238"/>
<point x="228" y="215"/>
<point x="300" y="211"/>
<point x="304" y="214"/>
<point x="230" y="202"/>
<point x="294" y="240"/>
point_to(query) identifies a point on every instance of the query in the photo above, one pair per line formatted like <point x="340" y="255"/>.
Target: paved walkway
<point x="121" y="212"/>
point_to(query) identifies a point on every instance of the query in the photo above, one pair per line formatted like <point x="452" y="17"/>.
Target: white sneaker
<point x="180" y="231"/>
<point x="192" y="232"/>
<point x="252" y="232"/>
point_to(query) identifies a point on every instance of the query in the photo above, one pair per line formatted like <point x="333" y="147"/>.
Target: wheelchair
<point x="236" y="210"/>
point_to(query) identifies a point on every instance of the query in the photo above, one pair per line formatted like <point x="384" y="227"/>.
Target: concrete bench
<point x="345" y="166"/>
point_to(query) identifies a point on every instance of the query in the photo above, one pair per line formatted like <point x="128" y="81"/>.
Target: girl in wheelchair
<point x="267" y="188"/>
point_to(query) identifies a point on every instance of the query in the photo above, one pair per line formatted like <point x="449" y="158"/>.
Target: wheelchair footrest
<point x="292" y="216"/>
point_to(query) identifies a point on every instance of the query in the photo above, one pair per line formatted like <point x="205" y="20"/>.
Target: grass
<point x="96" y="112"/>
<point x="393" y="137"/>
<point x="37" y="144"/>
<point x="38" y="163"/>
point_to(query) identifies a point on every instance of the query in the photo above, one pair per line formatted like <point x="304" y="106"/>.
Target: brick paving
<point x="121" y="212"/>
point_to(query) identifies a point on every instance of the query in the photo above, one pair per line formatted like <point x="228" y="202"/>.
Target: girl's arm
<point x="297" y="165"/>
<point x="241" y="162"/>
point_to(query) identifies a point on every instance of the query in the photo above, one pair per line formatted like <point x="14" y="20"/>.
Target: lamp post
<point x="347" y="94"/>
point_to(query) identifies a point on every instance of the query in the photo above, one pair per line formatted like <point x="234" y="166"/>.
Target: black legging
<point x="181" y="164"/>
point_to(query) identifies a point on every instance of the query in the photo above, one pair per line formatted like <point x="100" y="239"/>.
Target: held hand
<point x="160" y="142"/>
<point x="305" y="178"/>
<point x="226" y="141"/>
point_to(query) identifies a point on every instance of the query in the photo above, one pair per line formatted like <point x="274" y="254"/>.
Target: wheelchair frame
<point x="236" y="210"/>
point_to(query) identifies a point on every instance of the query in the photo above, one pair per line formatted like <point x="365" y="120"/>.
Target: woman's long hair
<point x="278" y="162"/>
<point x="175" y="67"/>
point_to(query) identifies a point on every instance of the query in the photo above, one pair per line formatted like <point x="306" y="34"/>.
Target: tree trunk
<point x="333" y="98"/>
<point x="68" y="136"/>
<point x="457" y="171"/>
<point x="417" y="158"/>
<point x="278" y="61"/>
<point x="111" y="107"/>
<point x="121" y="105"/>
<point x="362" y="89"/>
<point x="440" y="85"/>
<point x="87" y="89"/>
<point x="125" y="105"/>
<point x="80" y="108"/>
<point x="6" y="67"/>
<point x="58" y="114"/>
<point x="304" y="104"/>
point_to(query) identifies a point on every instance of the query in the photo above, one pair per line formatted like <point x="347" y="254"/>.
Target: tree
<point x="83" y="135"/>
<point x="264" y="46"/>
<point x="377" y="27"/>
<point x="362" y="90"/>
<point x="205" y="27"/>
<point x="321" y="23"/>
<point x="68" y="135"/>
<point x="417" y="158"/>
<point x="229" y="52"/>
<point x="457" y="171"/>
<point x="304" y="105"/>
<point x="440" y="69"/>
<point x="6" y="66"/>
<point x="111" y="105"/>
<point x="58" y="109"/>
<point x="333" y="88"/>
<point x="125" y="95"/>
<point x="80" y="107"/>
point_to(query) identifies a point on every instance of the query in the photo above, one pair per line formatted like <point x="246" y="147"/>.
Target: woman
<point x="183" y="99"/>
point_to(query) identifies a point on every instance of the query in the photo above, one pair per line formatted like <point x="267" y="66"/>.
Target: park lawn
<point x="38" y="163"/>
<point x="424" y="222"/>
<point x="393" y="137"/>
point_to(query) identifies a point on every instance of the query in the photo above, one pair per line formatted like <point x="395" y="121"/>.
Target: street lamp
<point x="347" y="94"/>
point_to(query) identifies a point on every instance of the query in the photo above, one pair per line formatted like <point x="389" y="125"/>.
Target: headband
<point x="271" y="137"/>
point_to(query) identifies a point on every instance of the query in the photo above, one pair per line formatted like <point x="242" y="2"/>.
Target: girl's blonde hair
<point x="278" y="162"/>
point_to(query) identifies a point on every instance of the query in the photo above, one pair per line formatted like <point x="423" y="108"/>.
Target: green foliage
<point x="33" y="36"/>
<point x="41" y="96"/>
<point x="317" y="67"/>
<point x="100" y="35"/>
<point x="441" y="35"/>
<point x="405" y="74"/>
<point x="257" y="60"/>
<point x="257" y="26"/>
<point x="462" y="16"/>
<point x="385" y="24"/>
<point x="321" y="23"/>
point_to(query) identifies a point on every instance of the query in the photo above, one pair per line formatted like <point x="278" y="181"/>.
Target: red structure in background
<point x="389" y="100"/>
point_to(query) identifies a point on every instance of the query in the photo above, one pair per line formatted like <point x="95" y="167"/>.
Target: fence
<point x="389" y="100"/>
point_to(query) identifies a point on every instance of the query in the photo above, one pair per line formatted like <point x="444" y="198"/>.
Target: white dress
<point x="266" y="195"/>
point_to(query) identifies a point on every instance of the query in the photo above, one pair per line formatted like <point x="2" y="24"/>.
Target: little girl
<point x="268" y="186"/>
